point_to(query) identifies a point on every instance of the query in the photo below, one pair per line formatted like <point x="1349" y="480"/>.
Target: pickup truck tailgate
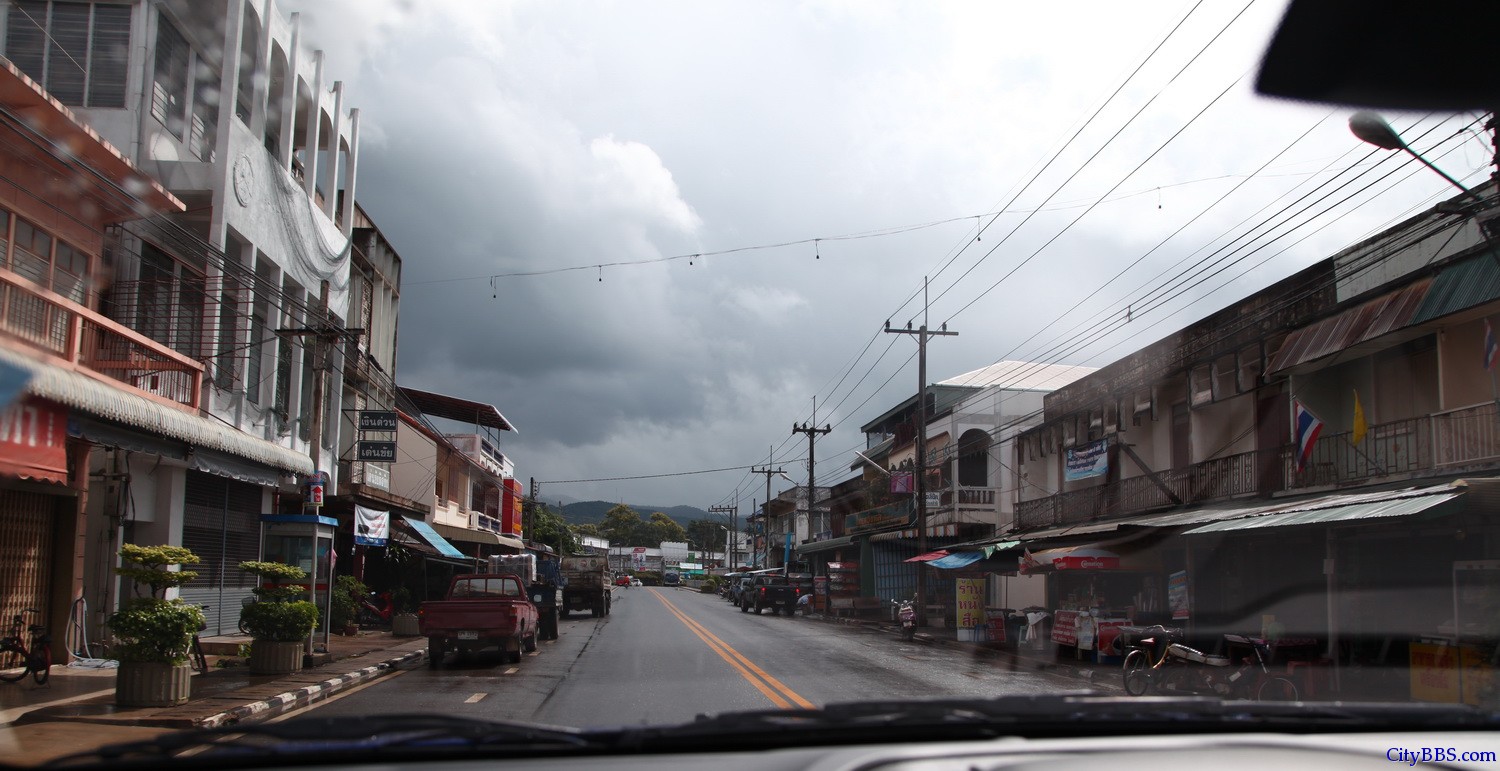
<point x="484" y="618"/>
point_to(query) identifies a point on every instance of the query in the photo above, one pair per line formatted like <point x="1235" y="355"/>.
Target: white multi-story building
<point x="225" y="107"/>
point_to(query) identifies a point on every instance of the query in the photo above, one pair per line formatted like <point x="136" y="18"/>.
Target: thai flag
<point x="1307" y="427"/>
<point x="1491" y="348"/>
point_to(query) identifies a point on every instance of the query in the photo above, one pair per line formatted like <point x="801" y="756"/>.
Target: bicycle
<point x="17" y="660"/>
<point x="1159" y="661"/>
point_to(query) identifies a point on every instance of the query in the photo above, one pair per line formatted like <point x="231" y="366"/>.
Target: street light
<point x="1372" y="128"/>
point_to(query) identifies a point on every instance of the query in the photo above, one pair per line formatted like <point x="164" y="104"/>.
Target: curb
<point x="285" y="702"/>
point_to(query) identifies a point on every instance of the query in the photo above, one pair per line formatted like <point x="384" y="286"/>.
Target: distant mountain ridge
<point x="592" y="512"/>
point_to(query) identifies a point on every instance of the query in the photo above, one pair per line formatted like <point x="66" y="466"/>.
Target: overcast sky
<point x="519" y="137"/>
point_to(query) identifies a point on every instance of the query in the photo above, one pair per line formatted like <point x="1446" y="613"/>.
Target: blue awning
<point x="962" y="559"/>
<point x="430" y="536"/>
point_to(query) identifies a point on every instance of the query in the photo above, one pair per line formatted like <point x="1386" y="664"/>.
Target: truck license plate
<point x="466" y="635"/>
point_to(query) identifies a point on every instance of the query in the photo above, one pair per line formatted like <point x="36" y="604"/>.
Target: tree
<point x="549" y="527"/>
<point x="664" y="528"/>
<point x="705" y="535"/>
<point x="587" y="528"/>
<point x="623" y="527"/>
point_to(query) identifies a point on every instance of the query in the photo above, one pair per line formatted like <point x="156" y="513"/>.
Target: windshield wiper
<point x="1066" y="714"/>
<point x="307" y="738"/>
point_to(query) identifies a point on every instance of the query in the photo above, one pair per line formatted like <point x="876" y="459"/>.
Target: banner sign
<point x="901" y="483"/>
<point x="1090" y="460"/>
<point x="1177" y="594"/>
<point x="376" y="452"/>
<point x="377" y="420"/>
<point x="970" y="602"/>
<point x="371" y="527"/>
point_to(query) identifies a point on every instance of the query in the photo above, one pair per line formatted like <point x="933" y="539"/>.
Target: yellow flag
<point x="1359" y="421"/>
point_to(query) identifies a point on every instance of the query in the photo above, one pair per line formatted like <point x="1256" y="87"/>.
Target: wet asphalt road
<point x="667" y="655"/>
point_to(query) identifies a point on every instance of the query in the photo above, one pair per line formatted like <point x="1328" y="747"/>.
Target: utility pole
<point x="732" y="511"/>
<point x="769" y="472"/>
<point x="812" y="431"/>
<point x="922" y="335"/>
<point x="529" y="513"/>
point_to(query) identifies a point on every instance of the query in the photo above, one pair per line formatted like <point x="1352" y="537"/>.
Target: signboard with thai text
<point x="377" y="420"/>
<point x="375" y="452"/>
<point x="969" y="602"/>
<point x="1090" y="460"/>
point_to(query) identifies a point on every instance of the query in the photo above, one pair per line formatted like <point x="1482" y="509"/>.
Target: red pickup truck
<point x="483" y="610"/>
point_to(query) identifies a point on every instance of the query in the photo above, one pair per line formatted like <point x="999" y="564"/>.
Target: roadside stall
<point x="1093" y="593"/>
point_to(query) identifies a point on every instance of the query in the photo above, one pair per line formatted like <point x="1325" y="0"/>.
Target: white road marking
<point x="512" y="671"/>
<point x="476" y="698"/>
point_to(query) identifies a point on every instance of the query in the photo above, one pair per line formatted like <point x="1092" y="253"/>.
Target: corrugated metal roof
<point x="1394" y="507"/>
<point x="454" y="408"/>
<point x="119" y="405"/>
<point x="1365" y="321"/>
<point x="1474" y="281"/>
<point x="1021" y="376"/>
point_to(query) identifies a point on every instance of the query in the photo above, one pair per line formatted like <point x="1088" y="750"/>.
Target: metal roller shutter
<point x="26" y="527"/>
<point x="221" y="524"/>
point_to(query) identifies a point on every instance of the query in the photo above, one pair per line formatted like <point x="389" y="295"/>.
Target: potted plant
<point x="404" y="622"/>
<point x="346" y="595"/>
<point x="279" y="621"/>
<point x="152" y="635"/>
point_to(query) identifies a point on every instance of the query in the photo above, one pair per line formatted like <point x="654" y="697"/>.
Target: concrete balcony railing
<point x="1228" y="477"/>
<point x="55" y="325"/>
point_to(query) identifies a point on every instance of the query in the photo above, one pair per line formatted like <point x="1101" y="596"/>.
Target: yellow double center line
<point x="770" y="687"/>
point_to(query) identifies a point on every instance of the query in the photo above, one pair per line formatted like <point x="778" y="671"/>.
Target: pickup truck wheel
<point x="434" y="652"/>
<point x="744" y="608"/>
<point x="758" y="609"/>
<point x="549" y="626"/>
<point x="562" y="612"/>
<point x="529" y="644"/>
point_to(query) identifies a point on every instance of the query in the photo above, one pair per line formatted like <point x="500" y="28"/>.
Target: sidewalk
<point x="1100" y="677"/>
<point x="75" y="711"/>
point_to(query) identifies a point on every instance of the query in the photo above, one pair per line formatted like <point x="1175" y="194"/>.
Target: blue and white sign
<point x="1090" y="460"/>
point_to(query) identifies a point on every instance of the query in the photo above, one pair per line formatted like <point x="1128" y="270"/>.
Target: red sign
<point x="34" y="440"/>
<point x="510" y="506"/>
<point x="1065" y="627"/>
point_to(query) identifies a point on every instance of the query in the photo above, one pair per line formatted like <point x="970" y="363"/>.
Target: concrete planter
<point x="269" y="657"/>
<point x="140" y="684"/>
<point x="405" y="625"/>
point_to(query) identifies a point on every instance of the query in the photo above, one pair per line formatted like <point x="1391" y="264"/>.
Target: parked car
<point x="773" y="592"/>
<point x="635" y="581"/>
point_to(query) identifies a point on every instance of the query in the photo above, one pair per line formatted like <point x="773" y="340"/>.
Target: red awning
<point x="1071" y="558"/>
<point x="929" y="556"/>
<point x="1367" y="321"/>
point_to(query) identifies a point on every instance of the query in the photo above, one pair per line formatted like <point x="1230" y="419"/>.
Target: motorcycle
<point x="372" y="614"/>
<point x="906" y="613"/>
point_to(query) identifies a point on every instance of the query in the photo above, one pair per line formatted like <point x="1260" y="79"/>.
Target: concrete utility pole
<point x="733" y="512"/>
<point x="769" y="472"/>
<point x="922" y="335"/>
<point x="812" y="431"/>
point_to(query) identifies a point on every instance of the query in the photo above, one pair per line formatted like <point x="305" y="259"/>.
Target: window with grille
<point x="282" y="401"/>
<point x="205" y="122"/>
<point x="305" y="404"/>
<point x="258" y="314"/>
<point x="170" y="84"/>
<point x="226" y="363"/>
<point x="79" y="52"/>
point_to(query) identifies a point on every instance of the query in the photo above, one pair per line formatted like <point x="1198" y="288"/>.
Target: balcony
<point x="1228" y="477"/>
<point x="1452" y="442"/>
<point x="62" y="328"/>
<point x="479" y="450"/>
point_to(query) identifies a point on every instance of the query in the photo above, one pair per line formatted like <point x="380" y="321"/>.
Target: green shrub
<point x="276" y="573"/>
<point x="346" y="593"/>
<point x="280" y="621"/>
<point x="151" y="566"/>
<point x="150" y="630"/>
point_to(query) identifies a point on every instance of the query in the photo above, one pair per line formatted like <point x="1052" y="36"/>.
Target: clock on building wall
<point x="244" y="180"/>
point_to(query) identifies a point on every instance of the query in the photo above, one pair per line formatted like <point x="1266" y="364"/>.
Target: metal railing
<point x="79" y="335"/>
<point x="1444" y="442"/>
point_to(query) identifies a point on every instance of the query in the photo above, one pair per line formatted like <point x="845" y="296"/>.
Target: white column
<point x="330" y="175"/>
<point x="349" y="173"/>
<point x="314" y="125"/>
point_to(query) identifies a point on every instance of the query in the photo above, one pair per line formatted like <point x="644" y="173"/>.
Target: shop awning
<point x="413" y="542"/>
<point x="119" y="405"/>
<point x="1369" y="509"/>
<point x="962" y="559"/>
<point x="928" y="557"/>
<point x="432" y="538"/>
<point x="1063" y="532"/>
<point x="828" y="544"/>
<point x="469" y="535"/>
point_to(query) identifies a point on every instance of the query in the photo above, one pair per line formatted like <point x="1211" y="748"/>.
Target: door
<point x="221" y="524"/>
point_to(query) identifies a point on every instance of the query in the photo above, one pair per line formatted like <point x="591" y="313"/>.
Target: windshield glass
<point x="756" y="355"/>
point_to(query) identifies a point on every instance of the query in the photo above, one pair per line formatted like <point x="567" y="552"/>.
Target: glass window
<point x="169" y="88"/>
<point x="33" y="253"/>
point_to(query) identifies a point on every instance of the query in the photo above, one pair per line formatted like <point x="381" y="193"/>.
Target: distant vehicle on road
<point x="635" y="582"/>
<point x="588" y="582"/>
<point x="671" y="578"/>
<point x="622" y="580"/>
<point x="770" y="591"/>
